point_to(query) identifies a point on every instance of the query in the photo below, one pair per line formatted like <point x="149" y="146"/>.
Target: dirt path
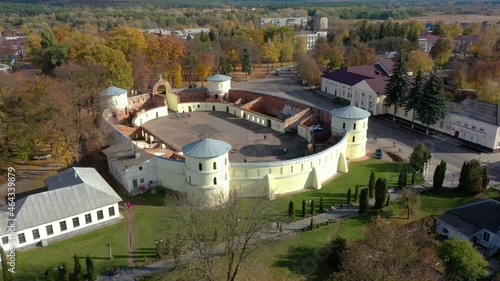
<point x="131" y="236"/>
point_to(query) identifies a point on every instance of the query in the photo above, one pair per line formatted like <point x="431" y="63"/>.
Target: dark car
<point x="378" y="153"/>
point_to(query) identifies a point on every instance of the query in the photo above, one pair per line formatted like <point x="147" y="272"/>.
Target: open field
<point x="458" y="18"/>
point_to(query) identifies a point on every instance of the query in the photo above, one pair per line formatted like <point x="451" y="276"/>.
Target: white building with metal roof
<point x="114" y="97"/>
<point x="353" y="122"/>
<point x="218" y="86"/>
<point x="77" y="200"/>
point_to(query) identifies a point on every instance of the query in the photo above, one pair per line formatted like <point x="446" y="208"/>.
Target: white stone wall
<point x="150" y="115"/>
<point x="28" y="233"/>
<point x="143" y="174"/>
<point x="450" y="231"/>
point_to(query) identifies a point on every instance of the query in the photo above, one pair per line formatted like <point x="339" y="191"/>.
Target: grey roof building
<point x="477" y="110"/>
<point x="113" y="91"/>
<point x="478" y="221"/>
<point x="126" y="155"/>
<point x="74" y="194"/>
<point x="206" y="148"/>
<point x="218" y="78"/>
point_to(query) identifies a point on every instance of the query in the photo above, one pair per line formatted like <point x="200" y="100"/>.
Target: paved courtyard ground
<point x="246" y="138"/>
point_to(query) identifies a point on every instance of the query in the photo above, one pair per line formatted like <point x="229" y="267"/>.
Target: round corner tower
<point x="218" y="86"/>
<point x="207" y="171"/>
<point x="352" y="121"/>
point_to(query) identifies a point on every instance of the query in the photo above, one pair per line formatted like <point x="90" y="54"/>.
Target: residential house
<point x="462" y="44"/>
<point x="77" y="200"/>
<point x="427" y="41"/>
<point x="478" y="222"/>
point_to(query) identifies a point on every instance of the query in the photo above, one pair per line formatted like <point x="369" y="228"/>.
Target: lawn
<point x="335" y="192"/>
<point x="34" y="262"/>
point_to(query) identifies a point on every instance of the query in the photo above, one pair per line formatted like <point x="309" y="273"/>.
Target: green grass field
<point x="34" y="262"/>
<point x="335" y="192"/>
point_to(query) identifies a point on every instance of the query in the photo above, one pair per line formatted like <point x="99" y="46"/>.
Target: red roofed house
<point x="363" y="86"/>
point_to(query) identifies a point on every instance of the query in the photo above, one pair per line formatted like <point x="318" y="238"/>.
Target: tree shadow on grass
<point x="306" y="261"/>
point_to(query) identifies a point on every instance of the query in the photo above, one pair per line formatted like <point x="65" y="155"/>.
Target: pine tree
<point x="321" y="206"/>
<point x="413" y="99"/>
<point x="7" y="275"/>
<point x="388" y="199"/>
<point x="77" y="268"/>
<point x="471" y="178"/>
<point x="356" y="194"/>
<point x="439" y="175"/>
<point x="50" y="275"/>
<point x="413" y="175"/>
<point x="291" y="209"/>
<point x="312" y="224"/>
<point x="400" y="179"/>
<point x="463" y="171"/>
<point x="63" y="272"/>
<point x="349" y="196"/>
<point x="396" y="91"/>
<point x="246" y="63"/>
<point x="486" y="177"/>
<point x="405" y="175"/>
<point x="371" y="184"/>
<point x="363" y="201"/>
<point x="304" y="208"/>
<point x="431" y="107"/>
<point x="380" y="193"/>
<point x="313" y="207"/>
<point x="90" y="269"/>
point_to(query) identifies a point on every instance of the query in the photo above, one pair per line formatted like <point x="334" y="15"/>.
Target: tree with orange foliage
<point x="127" y="40"/>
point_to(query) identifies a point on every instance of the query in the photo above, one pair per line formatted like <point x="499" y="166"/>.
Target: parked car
<point x="378" y="153"/>
<point x="278" y="72"/>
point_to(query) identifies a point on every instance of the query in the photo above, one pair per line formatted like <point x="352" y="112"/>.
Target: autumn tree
<point x="308" y="69"/>
<point x="141" y="73"/>
<point x="50" y="54"/>
<point x="408" y="256"/>
<point x="441" y="51"/>
<point x="119" y="69"/>
<point x="241" y="224"/>
<point x="270" y="53"/>
<point x="420" y="155"/>
<point x="420" y="60"/>
<point x="127" y="40"/>
<point x="431" y="107"/>
<point x="396" y="91"/>
<point x="409" y="202"/>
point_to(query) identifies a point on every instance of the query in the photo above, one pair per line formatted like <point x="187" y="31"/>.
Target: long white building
<point x="77" y="200"/>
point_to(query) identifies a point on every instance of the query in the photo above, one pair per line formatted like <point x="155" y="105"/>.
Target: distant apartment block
<point x="183" y="34"/>
<point x="320" y="23"/>
<point x="280" y="22"/>
<point x="310" y="38"/>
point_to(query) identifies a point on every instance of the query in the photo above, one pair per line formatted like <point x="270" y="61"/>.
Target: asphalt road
<point x="288" y="86"/>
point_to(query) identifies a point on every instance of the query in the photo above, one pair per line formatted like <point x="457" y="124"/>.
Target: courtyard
<point x="250" y="142"/>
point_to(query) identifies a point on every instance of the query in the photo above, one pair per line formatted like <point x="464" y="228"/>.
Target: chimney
<point x="76" y="175"/>
<point x="137" y="154"/>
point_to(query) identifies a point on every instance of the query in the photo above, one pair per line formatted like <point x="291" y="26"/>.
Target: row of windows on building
<point x="354" y="126"/>
<point x="62" y="225"/>
<point x="214" y="165"/>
